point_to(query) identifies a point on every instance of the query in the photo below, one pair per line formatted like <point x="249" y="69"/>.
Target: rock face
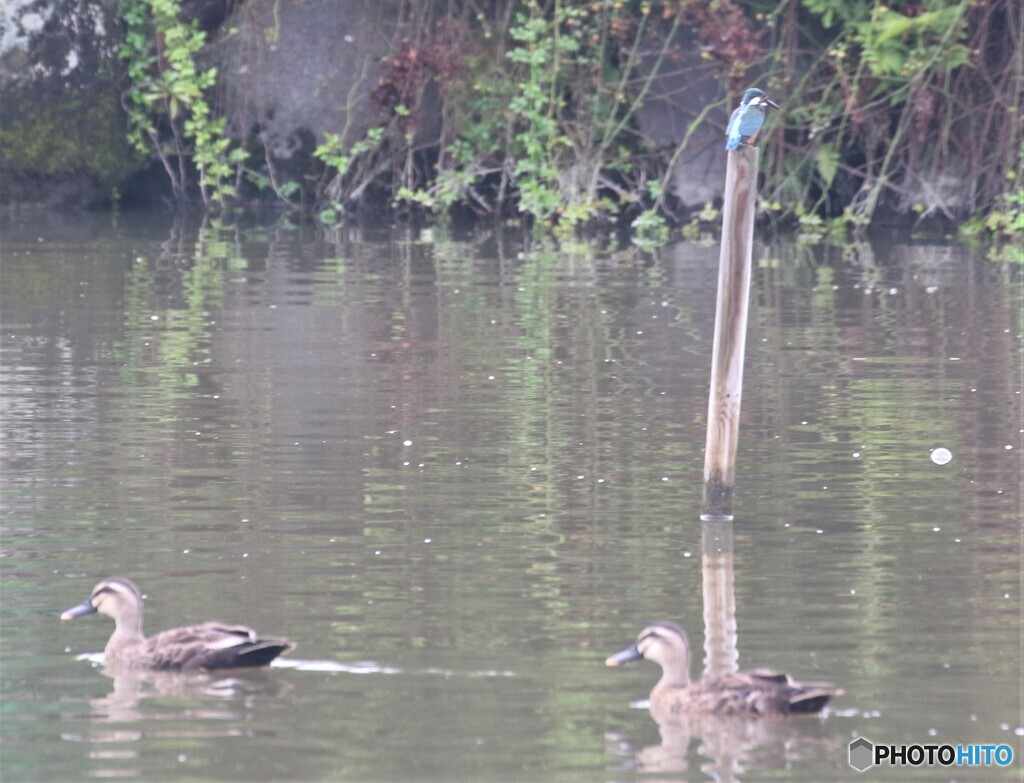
<point x="298" y="70"/>
<point x="287" y="74"/>
<point x="294" y="69"/>
<point x="291" y="72"/>
<point x="681" y="89"/>
<point x="62" y="131"/>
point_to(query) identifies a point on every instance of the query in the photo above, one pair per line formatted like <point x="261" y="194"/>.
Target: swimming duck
<point x="211" y="645"/>
<point x="756" y="693"/>
<point x="746" y="121"/>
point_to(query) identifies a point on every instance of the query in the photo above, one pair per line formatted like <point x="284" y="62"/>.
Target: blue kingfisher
<point x="748" y="118"/>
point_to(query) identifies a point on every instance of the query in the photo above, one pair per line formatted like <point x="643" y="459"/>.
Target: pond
<point x="460" y="470"/>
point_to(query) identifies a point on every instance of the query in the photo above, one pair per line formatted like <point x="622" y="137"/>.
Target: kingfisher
<point x="748" y="118"/>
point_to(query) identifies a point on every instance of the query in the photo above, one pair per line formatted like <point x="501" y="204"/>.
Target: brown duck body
<point x="756" y="693"/>
<point x="752" y="694"/>
<point x="210" y="645"/>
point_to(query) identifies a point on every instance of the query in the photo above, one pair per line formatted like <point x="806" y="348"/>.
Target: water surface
<point x="461" y="470"/>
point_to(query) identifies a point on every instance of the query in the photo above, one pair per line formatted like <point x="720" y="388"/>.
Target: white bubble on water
<point x="941" y="456"/>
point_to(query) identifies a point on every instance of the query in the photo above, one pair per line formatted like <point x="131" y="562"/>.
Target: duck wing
<point x="211" y="645"/>
<point x="792" y="697"/>
<point x="761" y="693"/>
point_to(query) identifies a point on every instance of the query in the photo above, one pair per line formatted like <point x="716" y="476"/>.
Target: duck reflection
<point x="237" y="690"/>
<point x="729" y="747"/>
<point x="190" y="706"/>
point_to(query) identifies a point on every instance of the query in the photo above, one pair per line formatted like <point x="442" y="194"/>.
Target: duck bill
<point x="78" y="611"/>
<point x="626" y="656"/>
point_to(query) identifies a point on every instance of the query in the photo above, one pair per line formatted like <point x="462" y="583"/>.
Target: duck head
<point x="115" y="597"/>
<point x="665" y="643"/>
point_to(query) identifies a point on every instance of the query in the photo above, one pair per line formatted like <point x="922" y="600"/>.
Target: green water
<point x="460" y="472"/>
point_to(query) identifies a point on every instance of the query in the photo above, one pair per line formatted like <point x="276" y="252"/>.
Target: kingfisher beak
<point x="771" y="103"/>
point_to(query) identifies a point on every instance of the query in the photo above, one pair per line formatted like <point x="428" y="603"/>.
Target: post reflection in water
<point x="720" y="653"/>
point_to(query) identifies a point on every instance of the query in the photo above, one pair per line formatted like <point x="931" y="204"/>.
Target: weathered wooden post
<point x="730" y="333"/>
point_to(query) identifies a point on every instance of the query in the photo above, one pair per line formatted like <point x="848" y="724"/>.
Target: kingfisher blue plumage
<point x="748" y="118"/>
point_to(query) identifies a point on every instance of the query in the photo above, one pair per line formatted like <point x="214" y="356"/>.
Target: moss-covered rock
<point x="61" y="146"/>
<point x="62" y="130"/>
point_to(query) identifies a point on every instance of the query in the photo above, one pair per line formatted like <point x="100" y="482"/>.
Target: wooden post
<point x="730" y="341"/>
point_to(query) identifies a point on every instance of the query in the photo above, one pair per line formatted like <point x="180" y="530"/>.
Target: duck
<point x="204" y="647"/>
<point x="758" y="693"/>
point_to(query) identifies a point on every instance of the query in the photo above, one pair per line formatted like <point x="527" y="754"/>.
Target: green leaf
<point x="828" y="163"/>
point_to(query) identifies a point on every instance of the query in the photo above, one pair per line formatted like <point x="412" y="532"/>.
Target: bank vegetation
<point x="901" y="111"/>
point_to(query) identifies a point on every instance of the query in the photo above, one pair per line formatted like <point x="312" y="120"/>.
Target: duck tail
<point x="811" y="700"/>
<point x="263" y="652"/>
